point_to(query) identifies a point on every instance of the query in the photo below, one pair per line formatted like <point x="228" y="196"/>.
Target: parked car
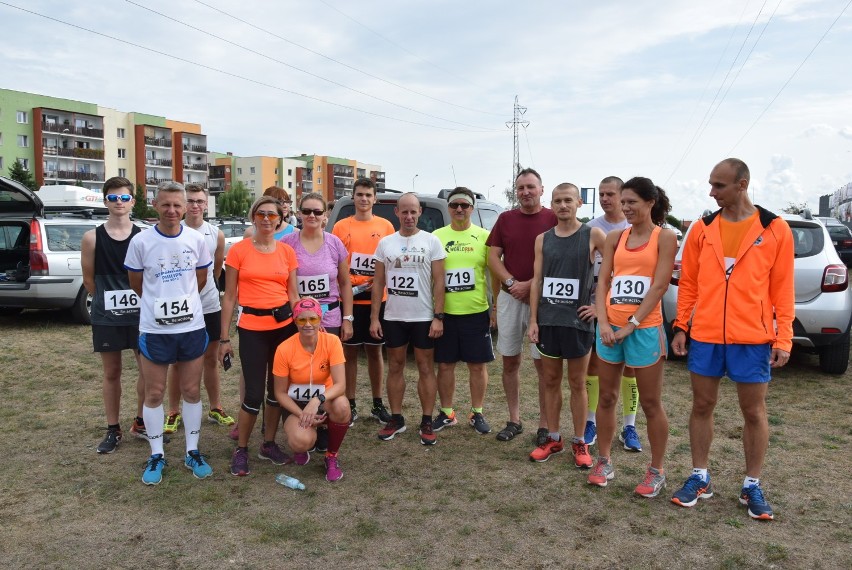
<point x="841" y="237"/>
<point x="435" y="214"/>
<point x="823" y="297"/>
<point x="40" y="255"/>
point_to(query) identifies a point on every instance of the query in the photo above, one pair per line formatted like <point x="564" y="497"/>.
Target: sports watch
<point x="509" y="282"/>
<point x="439" y="316"/>
<point x="321" y="398"/>
<point x="350" y="318"/>
<point x="633" y="321"/>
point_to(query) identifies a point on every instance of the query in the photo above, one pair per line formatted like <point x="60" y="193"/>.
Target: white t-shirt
<point x="210" y="293"/>
<point x="408" y="274"/>
<point x="170" y="303"/>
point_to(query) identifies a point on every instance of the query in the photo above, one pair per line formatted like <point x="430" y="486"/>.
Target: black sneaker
<point x="541" y="436"/>
<point x="322" y="439"/>
<point x="111" y="441"/>
<point x="442" y="420"/>
<point x="479" y="424"/>
<point x="380" y="413"/>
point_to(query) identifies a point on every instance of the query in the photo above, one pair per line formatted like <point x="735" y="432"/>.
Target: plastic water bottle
<point x="358" y="289"/>
<point x="290" y="482"/>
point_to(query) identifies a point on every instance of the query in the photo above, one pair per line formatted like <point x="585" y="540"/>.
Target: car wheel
<point x="834" y="358"/>
<point x="10" y="311"/>
<point x="81" y="310"/>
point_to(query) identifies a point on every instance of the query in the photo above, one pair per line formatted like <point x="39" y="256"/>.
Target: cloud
<point x="781" y="184"/>
<point x="845" y="132"/>
<point x="817" y="130"/>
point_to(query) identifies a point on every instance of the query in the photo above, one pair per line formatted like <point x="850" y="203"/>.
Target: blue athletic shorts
<point x="171" y="348"/>
<point x="748" y="363"/>
<point x="639" y="349"/>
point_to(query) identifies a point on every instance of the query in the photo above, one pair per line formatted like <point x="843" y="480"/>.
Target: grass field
<point x="470" y="501"/>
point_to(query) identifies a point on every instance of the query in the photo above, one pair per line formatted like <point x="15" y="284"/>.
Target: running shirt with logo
<point x="467" y="259"/>
<point x="170" y="302"/>
<point x="261" y="282"/>
<point x="632" y="277"/>
<point x="309" y="374"/>
<point x="515" y="233"/>
<point x="317" y="272"/>
<point x="567" y="279"/>
<point x="114" y="302"/>
<point x="408" y="274"/>
<point x="360" y="239"/>
<point x="210" y="293"/>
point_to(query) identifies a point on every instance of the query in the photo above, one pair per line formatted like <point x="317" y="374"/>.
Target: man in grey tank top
<point x="561" y="323"/>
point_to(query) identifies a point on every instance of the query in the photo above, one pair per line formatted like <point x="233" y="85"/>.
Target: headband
<point x="307" y="304"/>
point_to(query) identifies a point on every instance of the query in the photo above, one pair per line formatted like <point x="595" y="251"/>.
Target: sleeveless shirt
<point x="114" y="303"/>
<point x="567" y="279"/>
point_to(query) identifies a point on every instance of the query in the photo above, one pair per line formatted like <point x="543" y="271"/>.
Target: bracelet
<point x="224" y="340"/>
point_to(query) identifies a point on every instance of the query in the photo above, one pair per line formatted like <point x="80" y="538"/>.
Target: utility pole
<point x="516" y="121"/>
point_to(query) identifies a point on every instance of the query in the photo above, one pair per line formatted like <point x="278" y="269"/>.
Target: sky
<point x="657" y="88"/>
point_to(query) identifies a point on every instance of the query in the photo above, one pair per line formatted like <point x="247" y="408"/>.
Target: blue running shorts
<point x="747" y="363"/>
<point x="171" y="348"/>
<point x="640" y="349"/>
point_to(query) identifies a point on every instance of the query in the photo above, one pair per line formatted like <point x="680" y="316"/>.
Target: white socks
<point x="154" y="420"/>
<point x="192" y="424"/>
<point x="701" y="473"/>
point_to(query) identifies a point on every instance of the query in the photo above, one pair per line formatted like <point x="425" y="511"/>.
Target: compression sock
<point x="476" y="410"/>
<point x="154" y="420"/>
<point x="629" y="400"/>
<point x="593" y="388"/>
<point x="192" y="424"/>
<point x="336" y="433"/>
<point x="448" y="412"/>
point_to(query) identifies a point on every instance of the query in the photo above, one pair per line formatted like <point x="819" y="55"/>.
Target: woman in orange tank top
<point x="635" y="272"/>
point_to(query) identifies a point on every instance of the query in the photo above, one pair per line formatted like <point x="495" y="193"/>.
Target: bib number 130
<point x="629" y="289"/>
<point x="173" y="310"/>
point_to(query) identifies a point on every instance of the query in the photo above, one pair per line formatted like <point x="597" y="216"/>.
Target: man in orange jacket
<point x="736" y="301"/>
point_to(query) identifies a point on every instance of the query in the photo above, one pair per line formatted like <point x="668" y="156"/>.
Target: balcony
<point x="380" y="176"/>
<point x="343" y="182"/>
<point x="82" y="153"/>
<point x="194" y="148"/>
<point x="307" y="186"/>
<point x="201" y="184"/>
<point x="197" y="166"/>
<point x="158" y="161"/>
<point x="217" y="172"/>
<point x="152" y="181"/>
<point x="70" y="130"/>
<point x="74" y="175"/>
<point x="158" y="141"/>
<point x="340" y="170"/>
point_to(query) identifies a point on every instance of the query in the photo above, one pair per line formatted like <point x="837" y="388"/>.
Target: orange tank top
<point x="632" y="276"/>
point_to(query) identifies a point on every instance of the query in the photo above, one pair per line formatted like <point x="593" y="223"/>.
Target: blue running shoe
<point x="630" y="439"/>
<point x="758" y="508"/>
<point x="195" y="462"/>
<point x="590" y="436"/>
<point x="693" y="489"/>
<point x="153" y="473"/>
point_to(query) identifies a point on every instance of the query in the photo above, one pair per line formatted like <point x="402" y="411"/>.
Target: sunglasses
<point x="272" y="216"/>
<point x="462" y="205"/>
<point x="305" y="320"/>
<point x="308" y="212"/>
<point x="117" y="197"/>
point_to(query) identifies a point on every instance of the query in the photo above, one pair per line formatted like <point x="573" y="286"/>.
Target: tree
<point x="793" y="208"/>
<point x="20" y="174"/>
<point x="511" y="197"/>
<point x="234" y="202"/>
<point x="674" y="222"/>
<point x="141" y="209"/>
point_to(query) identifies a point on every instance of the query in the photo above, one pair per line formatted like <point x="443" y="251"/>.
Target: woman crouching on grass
<point x="309" y="384"/>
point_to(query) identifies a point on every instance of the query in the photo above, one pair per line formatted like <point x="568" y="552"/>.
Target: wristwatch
<point x="509" y="282"/>
<point x="350" y="318"/>
<point x="633" y="321"/>
<point x="439" y="316"/>
<point x="321" y="398"/>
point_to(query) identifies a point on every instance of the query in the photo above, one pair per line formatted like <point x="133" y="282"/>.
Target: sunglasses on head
<point x="462" y="205"/>
<point x="117" y="197"/>
<point x="309" y="211"/>
<point x="305" y="320"/>
<point x="266" y="216"/>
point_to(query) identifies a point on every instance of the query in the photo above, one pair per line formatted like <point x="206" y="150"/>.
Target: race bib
<point x="458" y="280"/>
<point x="629" y="289"/>
<point x="172" y="310"/>
<point x="317" y="286"/>
<point x="557" y="291"/>
<point x="123" y="302"/>
<point x="304" y="392"/>
<point x="402" y="284"/>
<point x="362" y="264"/>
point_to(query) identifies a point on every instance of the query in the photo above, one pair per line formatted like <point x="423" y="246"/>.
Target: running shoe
<point x="332" y="468"/>
<point x="218" y="416"/>
<point x="652" y="484"/>
<point x="137" y="429"/>
<point x="172" y="423"/>
<point x="582" y="459"/>
<point x="442" y="420"/>
<point x="693" y="489"/>
<point x="758" y="508"/>
<point x="630" y="439"/>
<point x="391" y="428"/>
<point x="602" y="473"/>
<point x="111" y="440"/>
<point x="478" y="422"/>
<point x="427" y="434"/>
<point x="271" y="452"/>
<point x="153" y="473"/>
<point x="543" y="452"/>
<point x="240" y="463"/>
<point x="354" y="417"/>
<point x="380" y="413"/>
<point x="195" y="462"/>
<point x="590" y="436"/>
<point x="235" y="432"/>
<point x="541" y="436"/>
<point x="322" y="439"/>
<point x="302" y="458"/>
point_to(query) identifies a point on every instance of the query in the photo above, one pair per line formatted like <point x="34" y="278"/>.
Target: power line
<point x="341" y="63"/>
<point x="125" y="41"/>
<point x="306" y="72"/>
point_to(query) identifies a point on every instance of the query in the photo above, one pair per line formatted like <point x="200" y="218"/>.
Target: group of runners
<point x="307" y="301"/>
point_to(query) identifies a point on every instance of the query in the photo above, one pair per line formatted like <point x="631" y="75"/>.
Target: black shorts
<point x="361" y="326"/>
<point x="213" y="325"/>
<point x="400" y="333"/>
<point x="466" y="338"/>
<point x="107" y="338"/>
<point x="564" y="342"/>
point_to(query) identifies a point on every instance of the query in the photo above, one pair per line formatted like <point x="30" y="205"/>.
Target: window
<point x="23" y="117"/>
<point x="120" y="133"/>
<point x="1" y="163"/>
<point x="251" y="183"/>
<point x="239" y="171"/>
<point x="319" y="168"/>
<point x="1" y="139"/>
<point x="276" y="171"/>
<point x="289" y="185"/>
<point x="251" y="170"/>
<point x="289" y="172"/>
<point x="122" y="153"/>
<point x="122" y="172"/>
<point x="319" y="180"/>
<point x="25" y="162"/>
<point x="23" y="141"/>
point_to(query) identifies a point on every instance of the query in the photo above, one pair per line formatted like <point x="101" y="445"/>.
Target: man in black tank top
<point x="561" y="319"/>
<point x="115" y="307"/>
